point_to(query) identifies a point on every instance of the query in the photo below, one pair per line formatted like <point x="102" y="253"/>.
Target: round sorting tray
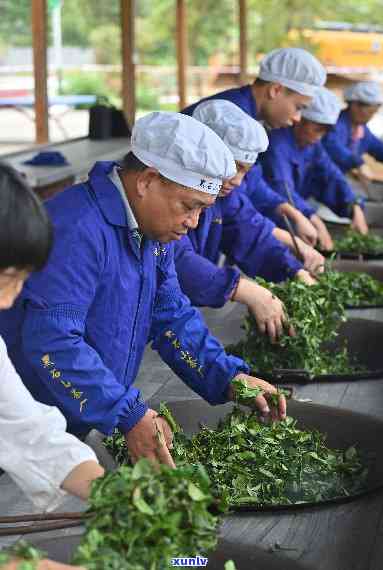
<point x="342" y="428"/>
<point x="350" y="266"/>
<point x="245" y="556"/>
<point x="364" y="340"/>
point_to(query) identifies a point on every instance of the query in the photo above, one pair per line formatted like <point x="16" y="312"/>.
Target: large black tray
<point x="354" y="256"/>
<point x="343" y="429"/>
<point x="348" y="266"/>
<point x="364" y="339"/>
<point x="245" y="556"/>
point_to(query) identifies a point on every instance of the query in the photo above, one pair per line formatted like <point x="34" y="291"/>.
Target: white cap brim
<point x="318" y="118"/>
<point x="187" y="178"/>
<point x="297" y="86"/>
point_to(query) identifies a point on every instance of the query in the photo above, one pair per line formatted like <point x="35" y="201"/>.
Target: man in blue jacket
<point x="286" y="83"/>
<point x="234" y="227"/>
<point x="296" y="160"/>
<point x="78" y="333"/>
<point x="351" y="138"/>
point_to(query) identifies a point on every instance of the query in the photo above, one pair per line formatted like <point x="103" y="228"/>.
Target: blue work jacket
<point x="231" y="226"/>
<point x="263" y="197"/>
<point x="309" y="171"/>
<point x="78" y="331"/>
<point x="346" y="153"/>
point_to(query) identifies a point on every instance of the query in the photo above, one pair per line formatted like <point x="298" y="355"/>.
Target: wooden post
<point x="127" y="9"/>
<point x="40" y="70"/>
<point x="242" y="41"/>
<point x="182" y="51"/>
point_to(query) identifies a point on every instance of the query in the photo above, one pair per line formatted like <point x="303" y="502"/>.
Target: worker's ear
<point x="274" y="90"/>
<point x="145" y="181"/>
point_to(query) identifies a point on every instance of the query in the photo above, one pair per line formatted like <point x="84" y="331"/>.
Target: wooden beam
<point x="182" y="51"/>
<point x="40" y="69"/>
<point x="242" y="6"/>
<point x="127" y="9"/>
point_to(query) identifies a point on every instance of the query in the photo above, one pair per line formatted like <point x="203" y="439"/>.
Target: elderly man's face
<point x="361" y="113"/>
<point x="168" y="210"/>
<point x="283" y="107"/>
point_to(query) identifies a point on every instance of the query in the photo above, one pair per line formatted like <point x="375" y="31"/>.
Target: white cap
<point x="368" y="92"/>
<point x="183" y="150"/>
<point x="294" y="68"/>
<point x="244" y="136"/>
<point x="324" y="108"/>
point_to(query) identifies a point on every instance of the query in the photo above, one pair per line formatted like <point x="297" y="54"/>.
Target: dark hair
<point x="25" y="230"/>
<point x="130" y="163"/>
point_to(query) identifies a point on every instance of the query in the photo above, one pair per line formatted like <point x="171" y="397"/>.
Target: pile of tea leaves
<point x="354" y="242"/>
<point x="252" y="463"/>
<point x="316" y="313"/>
<point x="29" y="555"/>
<point x="141" y="517"/>
<point x="356" y="289"/>
<point x="258" y="464"/>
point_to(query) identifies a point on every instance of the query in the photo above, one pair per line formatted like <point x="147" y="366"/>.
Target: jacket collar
<point x="107" y="195"/>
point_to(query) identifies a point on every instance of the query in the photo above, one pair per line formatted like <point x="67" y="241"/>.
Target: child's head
<point x="25" y="234"/>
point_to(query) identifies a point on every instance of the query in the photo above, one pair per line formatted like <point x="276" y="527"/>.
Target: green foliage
<point x="250" y="462"/>
<point x="143" y="516"/>
<point x="106" y="42"/>
<point x="271" y="464"/>
<point x="246" y="395"/>
<point x="358" y="289"/>
<point x="85" y="84"/>
<point x="29" y="555"/>
<point x="147" y="100"/>
<point x="212" y="26"/>
<point x="315" y="313"/>
<point x="354" y="242"/>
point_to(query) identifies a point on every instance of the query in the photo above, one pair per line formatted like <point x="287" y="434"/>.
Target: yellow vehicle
<point x="345" y="47"/>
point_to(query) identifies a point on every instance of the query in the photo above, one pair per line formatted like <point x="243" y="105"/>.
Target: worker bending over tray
<point x="234" y="227"/>
<point x="297" y="161"/>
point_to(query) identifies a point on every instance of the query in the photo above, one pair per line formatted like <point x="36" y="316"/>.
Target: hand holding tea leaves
<point x="359" y="223"/>
<point x="325" y="242"/>
<point x="152" y="438"/>
<point x="258" y="394"/>
<point x="266" y="308"/>
<point x="23" y="556"/>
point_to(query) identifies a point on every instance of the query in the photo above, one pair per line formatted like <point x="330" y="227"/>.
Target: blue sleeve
<point x="184" y="342"/>
<point x="248" y="241"/>
<point x="56" y="303"/>
<point x="278" y="174"/>
<point x="342" y="156"/>
<point x="206" y="284"/>
<point x="263" y="198"/>
<point x="329" y="185"/>
<point x="374" y="145"/>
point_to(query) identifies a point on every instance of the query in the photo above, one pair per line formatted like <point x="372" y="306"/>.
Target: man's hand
<point x="42" y="565"/>
<point x="262" y="402"/>
<point x="324" y="238"/>
<point x="303" y="227"/>
<point x="152" y="438"/>
<point x="305" y="277"/>
<point x="364" y="173"/>
<point x="359" y="222"/>
<point x="312" y="259"/>
<point x="267" y="309"/>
